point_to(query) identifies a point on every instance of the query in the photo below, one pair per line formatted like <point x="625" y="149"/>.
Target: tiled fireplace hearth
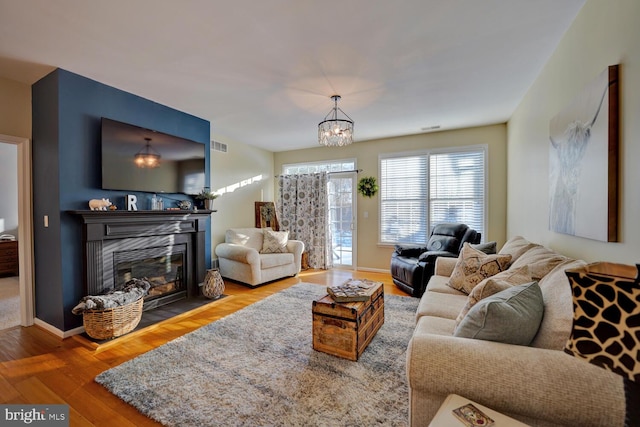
<point x="165" y="247"/>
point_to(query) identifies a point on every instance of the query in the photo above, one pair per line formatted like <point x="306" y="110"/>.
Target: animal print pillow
<point x="473" y="266"/>
<point x="606" y="317"/>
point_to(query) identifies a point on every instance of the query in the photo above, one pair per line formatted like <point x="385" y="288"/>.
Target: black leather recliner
<point x="412" y="265"/>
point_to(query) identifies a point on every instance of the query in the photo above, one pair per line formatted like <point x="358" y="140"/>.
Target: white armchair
<point x="244" y="256"/>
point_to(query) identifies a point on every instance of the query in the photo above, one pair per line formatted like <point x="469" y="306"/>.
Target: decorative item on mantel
<point x="213" y="285"/>
<point x="184" y="205"/>
<point x="99" y="204"/>
<point x="367" y="186"/>
<point x="208" y="197"/>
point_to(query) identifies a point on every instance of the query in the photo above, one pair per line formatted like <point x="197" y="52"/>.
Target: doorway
<point x="25" y="228"/>
<point x="342" y="206"/>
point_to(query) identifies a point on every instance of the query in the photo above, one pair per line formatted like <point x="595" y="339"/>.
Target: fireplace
<point x="164" y="261"/>
<point x="165" y="247"/>
<point x="164" y="268"/>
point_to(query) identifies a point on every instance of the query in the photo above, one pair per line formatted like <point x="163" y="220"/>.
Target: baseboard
<point x="374" y="270"/>
<point x="57" y="332"/>
<point x="76" y="331"/>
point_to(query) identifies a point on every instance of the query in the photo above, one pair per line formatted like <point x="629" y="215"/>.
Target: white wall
<point x="604" y="33"/>
<point x="244" y="174"/>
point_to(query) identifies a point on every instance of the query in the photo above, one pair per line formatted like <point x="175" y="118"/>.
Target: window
<point x="403" y="195"/>
<point x="419" y="190"/>
<point x="327" y="166"/>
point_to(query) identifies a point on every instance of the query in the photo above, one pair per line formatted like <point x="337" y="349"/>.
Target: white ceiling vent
<point x="218" y="146"/>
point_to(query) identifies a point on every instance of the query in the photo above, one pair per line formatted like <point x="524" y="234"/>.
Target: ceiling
<point x="263" y="72"/>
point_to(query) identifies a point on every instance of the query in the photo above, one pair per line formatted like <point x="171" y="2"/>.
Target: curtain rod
<point x="352" y="170"/>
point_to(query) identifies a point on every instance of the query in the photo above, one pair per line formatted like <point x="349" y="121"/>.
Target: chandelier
<point x="147" y="157"/>
<point x="335" y="132"/>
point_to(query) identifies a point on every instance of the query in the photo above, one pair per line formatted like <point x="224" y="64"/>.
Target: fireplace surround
<point x="166" y="247"/>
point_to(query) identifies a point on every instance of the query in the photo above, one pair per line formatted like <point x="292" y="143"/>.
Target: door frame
<point x="354" y="218"/>
<point x="25" y="227"/>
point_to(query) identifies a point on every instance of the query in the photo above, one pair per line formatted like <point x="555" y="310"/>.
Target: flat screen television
<point x="181" y="167"/>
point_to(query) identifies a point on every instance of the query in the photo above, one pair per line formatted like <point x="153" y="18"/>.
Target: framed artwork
<point x="266" y="215"/>
<point x="583" y="162"/>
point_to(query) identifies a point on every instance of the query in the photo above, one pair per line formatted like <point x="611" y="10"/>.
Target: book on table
<point x="472" y="416"/>
<point x="353" y="290"/>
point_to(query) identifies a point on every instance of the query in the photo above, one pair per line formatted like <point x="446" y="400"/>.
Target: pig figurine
<point x="99" y="204"/>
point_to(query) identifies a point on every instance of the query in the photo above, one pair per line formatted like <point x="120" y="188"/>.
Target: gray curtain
<point x="303" y="210"/>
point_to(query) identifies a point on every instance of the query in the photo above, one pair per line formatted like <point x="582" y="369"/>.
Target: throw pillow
<point x="488" y="248"/>
<point x="493" y="285"/>
<point x="511" y="316"/>
<point x="516" y="246"/>
<point x="555" y="328"/>
<point x="540" y="260"/>
<point x="474" y="266"/>
<point x="606" y="317"/>
<point x="274" y="242"/>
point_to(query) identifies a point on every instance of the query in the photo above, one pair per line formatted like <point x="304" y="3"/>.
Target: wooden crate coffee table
<point x="345" y="329"/>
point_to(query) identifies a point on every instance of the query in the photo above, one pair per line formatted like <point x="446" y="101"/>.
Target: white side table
<point x="445" y="418"/>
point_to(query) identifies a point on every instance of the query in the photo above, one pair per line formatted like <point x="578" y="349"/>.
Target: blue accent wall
<point x="67" y="112"/>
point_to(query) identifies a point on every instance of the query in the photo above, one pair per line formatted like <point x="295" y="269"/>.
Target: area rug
<point x="9" y="302"/>
<point x="257" y="367"/>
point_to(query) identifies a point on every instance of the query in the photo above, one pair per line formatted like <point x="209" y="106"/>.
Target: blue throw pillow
<point x="512" y="316"/>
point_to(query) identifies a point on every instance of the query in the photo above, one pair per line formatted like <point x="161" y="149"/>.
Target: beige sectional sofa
<point x="538" y="384"/>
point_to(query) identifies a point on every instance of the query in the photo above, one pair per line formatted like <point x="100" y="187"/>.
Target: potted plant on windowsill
<point x="207" y="196"/>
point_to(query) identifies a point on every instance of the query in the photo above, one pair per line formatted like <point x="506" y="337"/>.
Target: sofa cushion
<point x="516" y="246"/>
<point x="274" y="242"/>
<point x="249" y="237"/>
<point x="540" y="261"/>
<point x="435" y="326"/>
<point x="558" y="310"/>
<point x="275" y="260"/>
<point x="494" y="284"/>
<point x="445" y="266"/>
<point x="441" y="284"/>
<point x="511" y="316"/>
<point x="438" y="304"/>
<point x="473" y="266"/>
<point x="447" y="237"/>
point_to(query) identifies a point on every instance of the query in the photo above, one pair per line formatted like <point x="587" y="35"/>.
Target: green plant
<point x="206" y="194"/>
<point x="367" y="186"/>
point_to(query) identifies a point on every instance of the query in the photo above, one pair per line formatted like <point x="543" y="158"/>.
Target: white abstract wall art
<point x="583" y="162"/>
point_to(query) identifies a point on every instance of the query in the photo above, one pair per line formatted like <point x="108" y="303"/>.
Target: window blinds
<point x="420" y="190"/>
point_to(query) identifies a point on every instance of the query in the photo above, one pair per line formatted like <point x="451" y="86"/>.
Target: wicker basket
<point x="213" y="285"/>
<point x="112" y="322"/>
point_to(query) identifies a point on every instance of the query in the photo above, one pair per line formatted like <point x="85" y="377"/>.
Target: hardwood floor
<point x="39" y="368"/>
